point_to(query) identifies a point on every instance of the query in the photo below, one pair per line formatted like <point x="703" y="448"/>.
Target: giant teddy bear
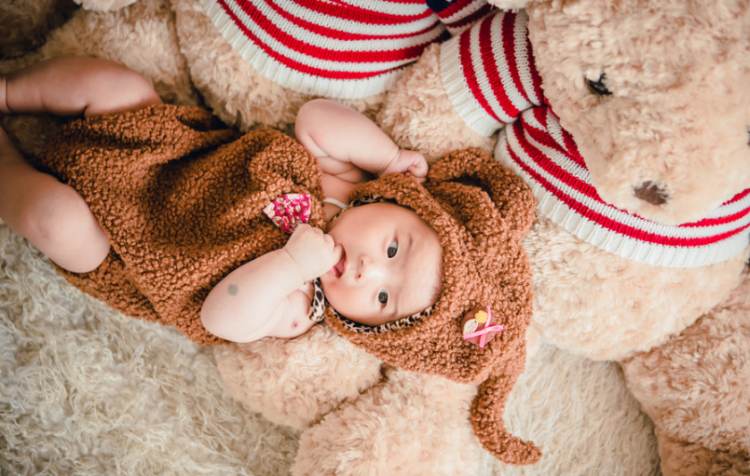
<point x="608" y="284"/>
<point x="620" y="124"/>
<point x="262" y="374"/>
<point x="628" y="113"/>
<point x="393" y="421"/>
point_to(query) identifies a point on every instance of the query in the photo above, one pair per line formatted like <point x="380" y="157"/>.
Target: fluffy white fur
<point x="85" y="390"/>
<point x="88" y="391"/>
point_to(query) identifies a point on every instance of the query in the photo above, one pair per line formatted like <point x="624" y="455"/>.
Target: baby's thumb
<point x="337" y="254"/>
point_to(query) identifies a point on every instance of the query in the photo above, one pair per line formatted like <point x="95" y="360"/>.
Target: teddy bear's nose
<point x="651" y="193"/>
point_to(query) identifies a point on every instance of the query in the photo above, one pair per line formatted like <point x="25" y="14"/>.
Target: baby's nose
<point x="369" y="268"/>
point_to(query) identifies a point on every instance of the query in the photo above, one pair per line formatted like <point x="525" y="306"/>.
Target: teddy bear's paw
<point x="604" y="307"/>
<point x="419" y="115"/>
<point x="296" y="381"/>
<point x="696" y="386"/>
<point x="410" y="424"/>
<point x="680" y="458"/>
<point x="140" y="36"/>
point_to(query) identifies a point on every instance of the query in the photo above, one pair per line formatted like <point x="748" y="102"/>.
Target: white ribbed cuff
<point x="463" y="100"/>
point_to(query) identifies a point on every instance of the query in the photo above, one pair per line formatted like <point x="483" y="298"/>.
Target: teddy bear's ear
<point x="488" y="198"/>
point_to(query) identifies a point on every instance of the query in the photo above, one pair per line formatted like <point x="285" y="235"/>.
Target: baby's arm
<point x="348" y="144"/>
<point x="263" y="297"/>
<point x="75" y="85"/>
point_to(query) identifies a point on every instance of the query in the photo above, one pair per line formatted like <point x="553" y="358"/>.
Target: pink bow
<point x="485" y="331"/>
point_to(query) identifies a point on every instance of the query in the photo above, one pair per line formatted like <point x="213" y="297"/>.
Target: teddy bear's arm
<point x="489" y="73"/>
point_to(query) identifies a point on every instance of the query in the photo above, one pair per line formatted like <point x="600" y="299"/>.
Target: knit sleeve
<point x="458" y="15"/>
<point x="488" y="72"/>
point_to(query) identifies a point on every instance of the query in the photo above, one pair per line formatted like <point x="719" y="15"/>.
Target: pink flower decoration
<point x="289" y="210"/>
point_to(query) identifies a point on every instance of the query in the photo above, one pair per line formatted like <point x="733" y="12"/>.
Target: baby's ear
<point x="488" y="198"/>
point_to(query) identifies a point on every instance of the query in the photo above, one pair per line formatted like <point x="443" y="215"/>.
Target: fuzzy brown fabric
<point x="480" y="211"/>
<point x="181" y="199"/>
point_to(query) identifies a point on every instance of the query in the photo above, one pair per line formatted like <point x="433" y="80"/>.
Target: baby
<point x="378" y="263"/>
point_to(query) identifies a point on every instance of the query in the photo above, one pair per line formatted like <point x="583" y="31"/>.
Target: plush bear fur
<point x="357" y="416"/>
<point x="696" y="387"/>
<point x="592" y="302"/>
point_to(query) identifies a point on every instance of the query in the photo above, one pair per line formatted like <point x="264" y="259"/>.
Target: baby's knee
<point x="58" y="221"/>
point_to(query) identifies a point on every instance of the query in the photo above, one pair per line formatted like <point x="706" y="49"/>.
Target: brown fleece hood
<point x="480" y="211"/>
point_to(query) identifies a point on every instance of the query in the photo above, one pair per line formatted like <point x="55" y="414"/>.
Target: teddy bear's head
<point x="655" y="94"/>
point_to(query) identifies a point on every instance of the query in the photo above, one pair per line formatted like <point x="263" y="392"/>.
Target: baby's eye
<point x="392" y="249"/>
<point x="383" y="297"/>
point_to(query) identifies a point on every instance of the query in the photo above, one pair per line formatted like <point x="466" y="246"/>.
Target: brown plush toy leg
<point x="680" y="458"/>
<point x="409" y="424"/>
<point x="696" y="389"/>
<point x="297" y="381"/>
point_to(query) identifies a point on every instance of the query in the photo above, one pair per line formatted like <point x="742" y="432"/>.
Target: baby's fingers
<point x="419" y="167"/>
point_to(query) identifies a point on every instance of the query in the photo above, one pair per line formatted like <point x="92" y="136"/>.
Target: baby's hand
<point x="313" y="252"/>
<point x="409" y="162"/>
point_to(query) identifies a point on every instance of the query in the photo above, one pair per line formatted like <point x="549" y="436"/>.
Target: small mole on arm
<point x="294" y="324"/>
<point x="233" y="289"/>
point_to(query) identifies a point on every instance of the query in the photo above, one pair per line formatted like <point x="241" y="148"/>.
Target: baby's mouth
<point x="338" y="269"/>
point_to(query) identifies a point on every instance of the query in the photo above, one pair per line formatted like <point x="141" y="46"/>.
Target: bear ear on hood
<point x="492" y="202"/>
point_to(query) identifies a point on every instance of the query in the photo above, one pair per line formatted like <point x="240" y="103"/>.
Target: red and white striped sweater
<point x="341" y="49"/>
<point x="489" y="74"/>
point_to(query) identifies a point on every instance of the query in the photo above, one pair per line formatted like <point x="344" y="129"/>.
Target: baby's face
<point x="391" y="266"/>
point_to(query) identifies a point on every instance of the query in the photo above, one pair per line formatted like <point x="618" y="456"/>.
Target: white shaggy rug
<point x="85" y="390"/>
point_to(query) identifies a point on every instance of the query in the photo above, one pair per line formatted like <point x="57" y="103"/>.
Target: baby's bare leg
<point x="51" y="215"/>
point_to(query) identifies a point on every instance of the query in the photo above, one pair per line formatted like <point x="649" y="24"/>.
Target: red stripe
<point x="536" y="80"/>
<point x="551" y="167"/>
<point x="589" y="191"/>
<point x="619" y="228"/>
<point x="575" y="155"/>
<point x="491" y="68"/>
<point x="509" y="46"/>
<point x="404" y="54"/>
<point x="542" y="115"/>
<point x="469" y="19"/>
<point x="454" y="8"/>
<point x="339" y="34"/>
<point x="297" y="65"/>
<point x="562" y="174"/>
<point x="737" y="197"/>
<point x="470" y="75"/>
<point x="718" y="220"/>
<point x="543" y="135"/>
<point x="358" y="14"/>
